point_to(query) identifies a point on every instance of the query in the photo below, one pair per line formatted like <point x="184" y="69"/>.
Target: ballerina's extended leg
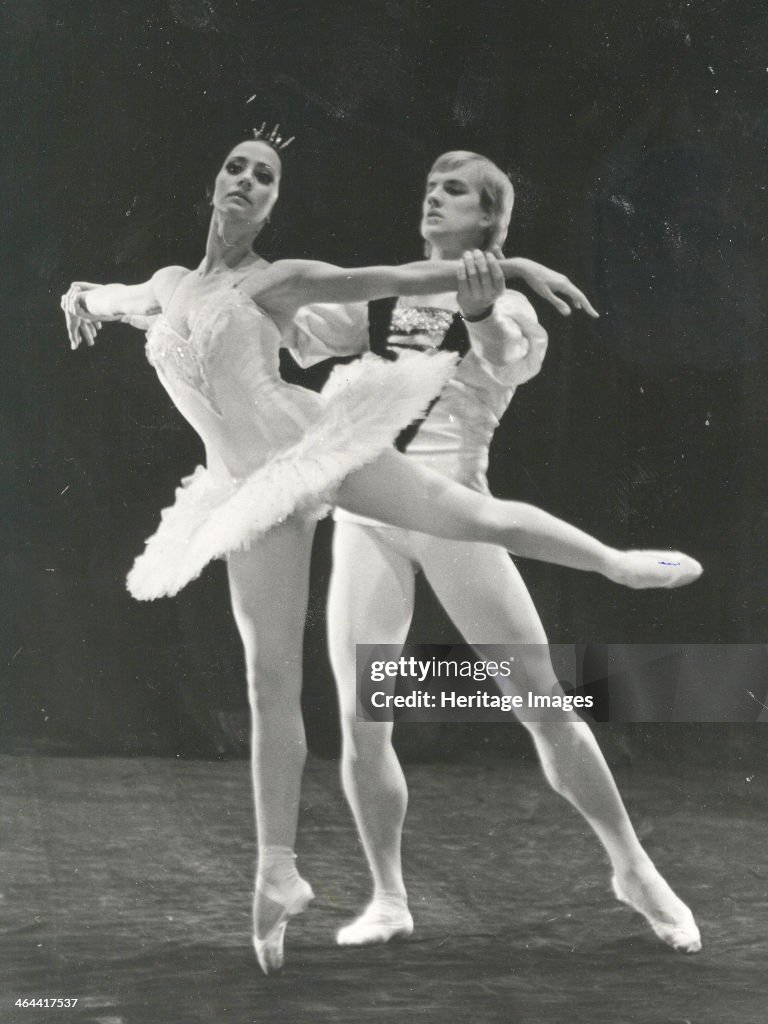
<point x="394" y="490"/>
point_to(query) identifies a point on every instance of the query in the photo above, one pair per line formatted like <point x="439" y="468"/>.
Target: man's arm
<point x="502" y="325"/>
<point x="325" y="331"/>
<point x="509" y="340"/>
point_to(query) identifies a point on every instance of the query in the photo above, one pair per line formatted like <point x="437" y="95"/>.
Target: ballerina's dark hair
<point x="273" y="139"/>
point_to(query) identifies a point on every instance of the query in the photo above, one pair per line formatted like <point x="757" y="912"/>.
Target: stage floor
<point x="126" y="883"/>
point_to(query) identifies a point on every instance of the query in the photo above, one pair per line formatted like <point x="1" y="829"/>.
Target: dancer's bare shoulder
<point x="165" y="281"/>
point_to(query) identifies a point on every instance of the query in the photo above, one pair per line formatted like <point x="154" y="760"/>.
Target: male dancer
<point x="466" y="213"/>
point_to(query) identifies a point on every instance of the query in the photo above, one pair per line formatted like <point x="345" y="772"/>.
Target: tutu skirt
<point x="364" y="407"/>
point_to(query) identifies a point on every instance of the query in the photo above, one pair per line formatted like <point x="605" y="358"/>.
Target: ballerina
<point x="278" y="455"/>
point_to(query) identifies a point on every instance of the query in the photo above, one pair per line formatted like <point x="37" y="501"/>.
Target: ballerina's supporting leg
<point x="396" y="491"/>
<point x="269" y="589"/>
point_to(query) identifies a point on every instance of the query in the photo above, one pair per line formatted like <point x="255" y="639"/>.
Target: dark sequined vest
<point x="379" y="328"/>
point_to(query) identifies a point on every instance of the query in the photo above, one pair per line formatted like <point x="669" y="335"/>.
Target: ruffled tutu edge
<point x="367" y="404"/>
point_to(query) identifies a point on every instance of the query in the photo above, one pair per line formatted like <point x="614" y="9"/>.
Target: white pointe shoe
<point x="291" y="900"/>
<point x="380" y="922"/>
<point x="666" y="913"/>
<point x="643" y="570"/>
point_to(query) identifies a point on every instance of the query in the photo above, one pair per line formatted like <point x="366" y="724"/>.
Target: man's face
<point x="452" y="213"/>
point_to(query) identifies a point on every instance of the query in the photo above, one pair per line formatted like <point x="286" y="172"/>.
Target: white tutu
<point x="366" y="405"/>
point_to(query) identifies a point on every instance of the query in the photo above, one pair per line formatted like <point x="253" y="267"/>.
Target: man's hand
<point x="481" y="283"/>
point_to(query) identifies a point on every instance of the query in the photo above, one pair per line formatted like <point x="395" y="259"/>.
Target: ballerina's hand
<point x="81" y="325"/>
<point x="551" y="285"/>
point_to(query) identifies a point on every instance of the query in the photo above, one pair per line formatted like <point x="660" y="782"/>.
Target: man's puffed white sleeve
<point x="325" y="330"/>
<point x="500" y="342"/>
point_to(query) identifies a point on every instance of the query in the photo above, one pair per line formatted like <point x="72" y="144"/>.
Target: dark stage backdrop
<point x="637" y="136"/>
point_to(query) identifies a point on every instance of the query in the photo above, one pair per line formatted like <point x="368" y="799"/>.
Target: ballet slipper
<point x="642" y="570"/>
<point x="665" y="912"/>
<point x="380" y="922"/>
<point x="290" y="899"/>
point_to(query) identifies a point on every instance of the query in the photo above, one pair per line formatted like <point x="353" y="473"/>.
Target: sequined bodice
<point x="179" y="358"/>
<point x="231" y="343"/>
<point x="225" y="380"/>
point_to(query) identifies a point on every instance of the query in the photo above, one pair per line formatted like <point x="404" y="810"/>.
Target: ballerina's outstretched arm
<point x="87" y="305"/>
<point x="289" y="284"/>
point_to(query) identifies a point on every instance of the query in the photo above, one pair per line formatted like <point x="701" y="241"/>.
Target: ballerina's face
<point x="248" y="184"/>
<point x="452" y="211"/>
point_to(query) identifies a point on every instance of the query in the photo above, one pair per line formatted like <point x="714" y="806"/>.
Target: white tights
<point x="371" y="601"/>
<point x="269" y="590"/>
